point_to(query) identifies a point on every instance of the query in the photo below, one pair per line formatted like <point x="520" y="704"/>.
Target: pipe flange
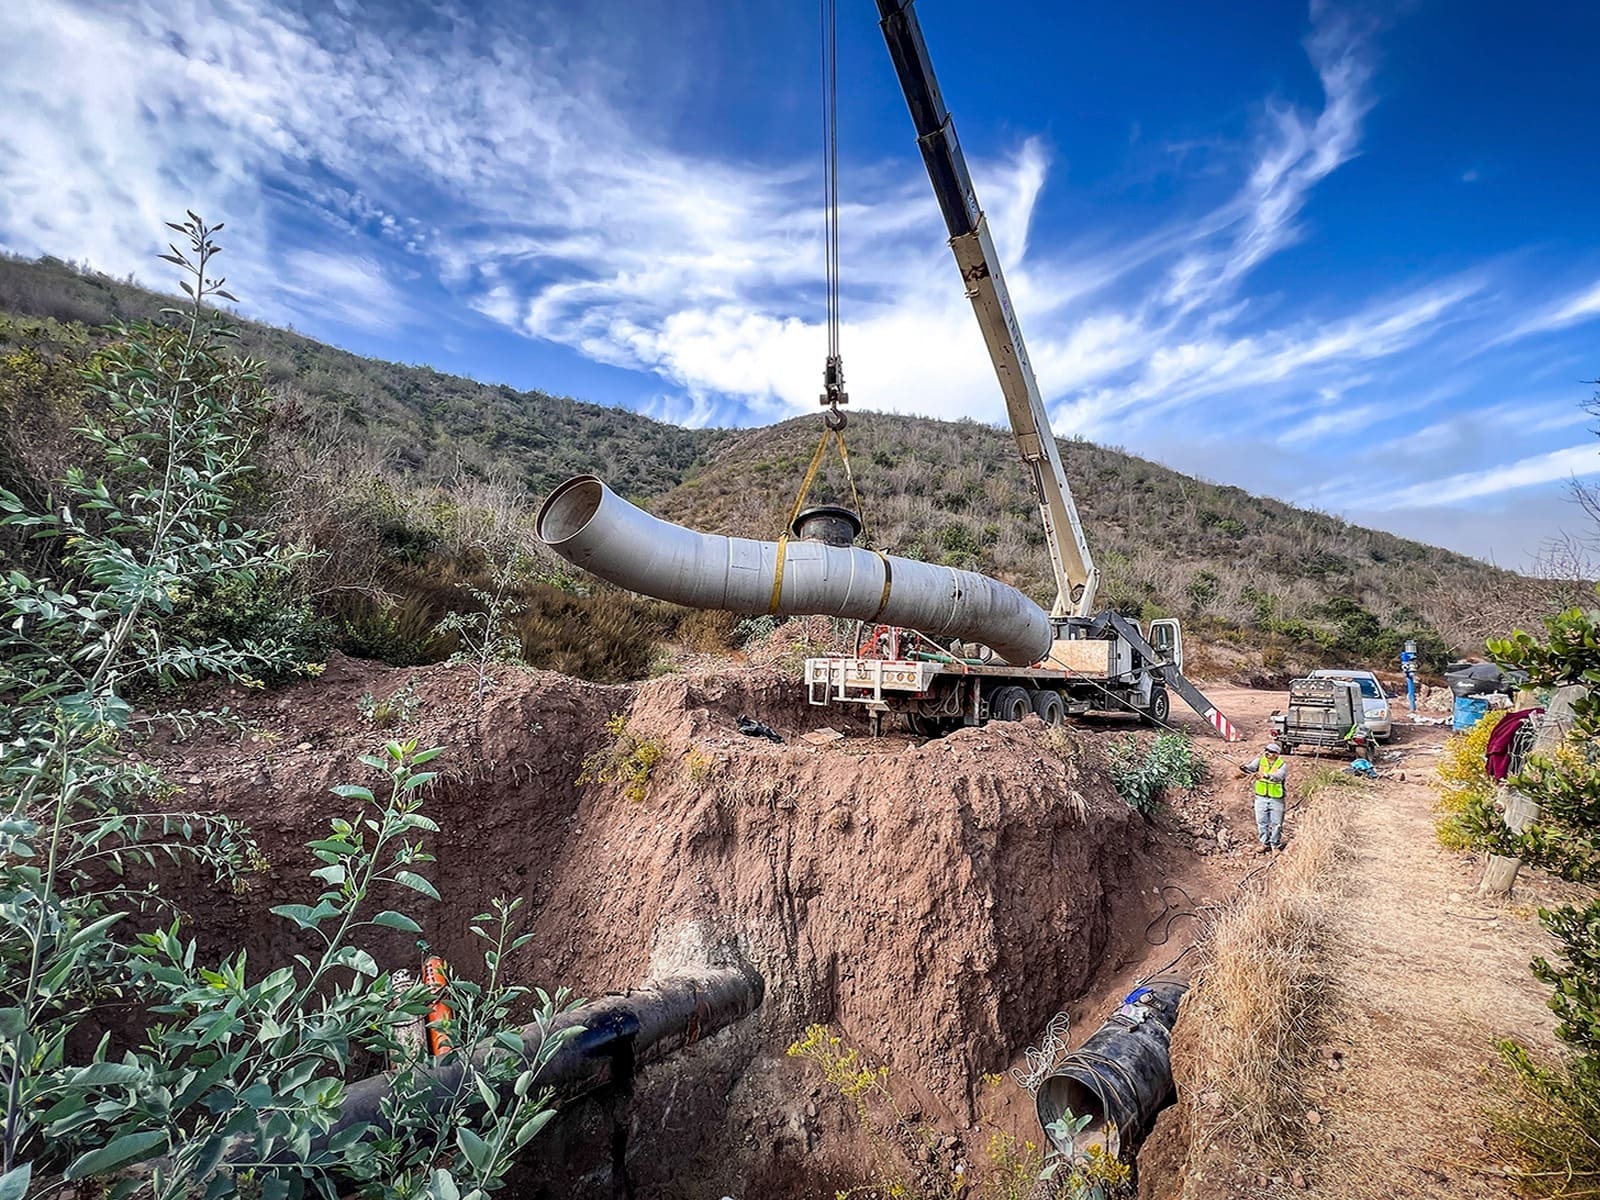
<point x="830" y="524"/>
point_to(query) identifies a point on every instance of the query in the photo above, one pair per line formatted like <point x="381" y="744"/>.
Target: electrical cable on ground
<point x="1044" y="1059"/>
<point x="1182" y="954"/>
<point x="1173" y="912"/>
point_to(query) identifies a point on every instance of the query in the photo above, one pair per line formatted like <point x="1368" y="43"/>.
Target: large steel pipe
<point x="622" y="1032"/>
<point x="1120" y="1078"/>
<point x="592" y="527"/>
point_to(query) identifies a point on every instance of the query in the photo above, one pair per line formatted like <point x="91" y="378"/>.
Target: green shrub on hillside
<point x="237" y="1079"/>
<point x="402" y="633"/>
<point x="243" y="606"/>
<point x="610" y="636"/>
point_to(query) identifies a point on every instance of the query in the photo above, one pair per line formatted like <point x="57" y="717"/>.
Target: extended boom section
<point x="1075" y="575"/>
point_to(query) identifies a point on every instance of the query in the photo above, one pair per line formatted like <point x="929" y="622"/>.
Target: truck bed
<point x="848" y="678"/>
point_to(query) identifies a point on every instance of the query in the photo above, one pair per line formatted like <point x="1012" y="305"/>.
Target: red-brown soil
<point x="936" y="902"/>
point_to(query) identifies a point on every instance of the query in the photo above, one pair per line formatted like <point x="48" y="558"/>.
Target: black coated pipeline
<point x="1121" y="1077"/>
<point x="620" y="1033"/>
<point x="619" y="1092"/>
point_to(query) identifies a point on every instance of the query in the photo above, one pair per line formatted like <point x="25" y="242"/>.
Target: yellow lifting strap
<point x="800" y="502"/>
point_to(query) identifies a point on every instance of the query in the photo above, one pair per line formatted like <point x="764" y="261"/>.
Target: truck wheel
<point x="1160" y="705"/>
<point x="931" y="727"/>
<point x="1009" y="703"/>
<point x="1049" y="706"/>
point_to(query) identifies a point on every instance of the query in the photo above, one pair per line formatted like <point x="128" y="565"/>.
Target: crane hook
<point x="833" y="393"/>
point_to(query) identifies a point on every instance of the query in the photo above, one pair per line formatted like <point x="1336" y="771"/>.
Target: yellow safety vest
<point x="1270" y="788"/>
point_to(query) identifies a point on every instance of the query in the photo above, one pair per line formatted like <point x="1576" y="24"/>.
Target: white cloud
<point x="1302" y="151"/>
<point x="353" y="290"/>
<point x="515" y="173"/>
<point x="510" y="167"/>
<point x="1472" y="485"/>
<point x="1574" y="309"/>
<point x="1342" y="419"/>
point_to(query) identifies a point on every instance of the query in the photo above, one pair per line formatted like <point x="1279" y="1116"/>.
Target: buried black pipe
<point x="640" y="1026"/>
<point x="1120" y="1078"/>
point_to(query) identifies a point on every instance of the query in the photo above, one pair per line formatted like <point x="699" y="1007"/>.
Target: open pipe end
<point x="569" y="509"/>
<point x="1061" y="1096"/>
<point x="829" y="524"/>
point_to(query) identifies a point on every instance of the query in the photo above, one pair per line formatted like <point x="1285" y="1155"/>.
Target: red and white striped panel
<point x="1223" y="725"/>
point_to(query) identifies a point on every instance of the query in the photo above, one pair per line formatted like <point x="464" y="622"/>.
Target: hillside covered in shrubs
<point x="414" y="491"/>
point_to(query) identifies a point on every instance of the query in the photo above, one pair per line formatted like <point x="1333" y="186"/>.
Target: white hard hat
<point x="1274" y="748"/>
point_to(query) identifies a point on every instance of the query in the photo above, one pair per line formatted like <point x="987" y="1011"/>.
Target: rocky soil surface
<point x="935" y="902"/>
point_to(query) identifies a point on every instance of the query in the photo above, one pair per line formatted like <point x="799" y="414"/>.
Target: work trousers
<point x="1269" y="820"/>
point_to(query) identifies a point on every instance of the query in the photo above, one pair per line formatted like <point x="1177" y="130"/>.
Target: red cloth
<point x="1498" y="760"/>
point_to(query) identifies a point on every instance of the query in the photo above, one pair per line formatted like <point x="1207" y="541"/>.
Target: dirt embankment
<point x="937" y="902"/>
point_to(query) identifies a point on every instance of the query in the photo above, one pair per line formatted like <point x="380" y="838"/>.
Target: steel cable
<point x="833" y="368"/>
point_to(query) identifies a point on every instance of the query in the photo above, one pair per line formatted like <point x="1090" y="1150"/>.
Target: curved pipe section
<point x="590" y="526"/>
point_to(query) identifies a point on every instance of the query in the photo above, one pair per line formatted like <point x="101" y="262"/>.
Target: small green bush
<point x="1465" y="806"/>
<point x="402" y="633"/>
<point x="754" y="629"/>
<point x="610" y="636"/>
<point x="1143" y="774"/>
<point x="1552" y="1115"/>
<point x="250" y="606"/>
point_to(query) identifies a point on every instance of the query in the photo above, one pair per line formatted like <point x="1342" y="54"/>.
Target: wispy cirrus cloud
<point x="1302" y="151"/>
<point x="1576" y="308"/>
<point x="1565" y="463"/>
<point x="391" y="164"/>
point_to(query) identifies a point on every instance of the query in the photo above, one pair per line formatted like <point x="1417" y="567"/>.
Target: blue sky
<point x="1341" y="255"/>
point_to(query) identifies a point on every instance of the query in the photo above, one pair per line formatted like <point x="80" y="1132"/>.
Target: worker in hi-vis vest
<point x="1272" y="773"/>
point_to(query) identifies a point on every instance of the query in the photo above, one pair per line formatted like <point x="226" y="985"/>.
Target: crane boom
<point x="1076" y="577"/>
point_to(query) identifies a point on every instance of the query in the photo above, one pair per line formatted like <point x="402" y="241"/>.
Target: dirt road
<point x="1428" y="976"/>
<point x="1424" y="976"/>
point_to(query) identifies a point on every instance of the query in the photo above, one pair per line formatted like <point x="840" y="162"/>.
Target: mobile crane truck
<point x="1097" y="661"/>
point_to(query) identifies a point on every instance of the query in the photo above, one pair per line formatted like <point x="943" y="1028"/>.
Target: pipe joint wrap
<point x="590" y="526"/>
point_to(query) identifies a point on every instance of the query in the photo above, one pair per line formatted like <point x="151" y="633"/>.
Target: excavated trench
<point x="935" y="903"/>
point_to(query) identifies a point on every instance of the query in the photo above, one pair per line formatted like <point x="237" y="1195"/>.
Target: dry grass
<point x="1263" y="996"/>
